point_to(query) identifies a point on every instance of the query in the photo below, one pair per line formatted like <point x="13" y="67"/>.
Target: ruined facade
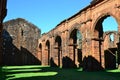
<point x="20" y="39"/>
<point x="3" y="12"/>
<point x="80" y="40"/>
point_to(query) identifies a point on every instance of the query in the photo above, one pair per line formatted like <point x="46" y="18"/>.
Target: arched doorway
<point x="47" y="53"/>
<point x="105" y="49"/>
<point x="58" y="51"/>
<point x="75" y="48"/>
<point x="40" y="53"/>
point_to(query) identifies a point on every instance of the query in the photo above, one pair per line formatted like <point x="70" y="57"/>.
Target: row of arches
<point x="75" y="39"/>
<point x="101" y="46"/>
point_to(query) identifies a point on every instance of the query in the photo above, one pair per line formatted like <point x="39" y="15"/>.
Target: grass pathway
<point x="47" y="73"/>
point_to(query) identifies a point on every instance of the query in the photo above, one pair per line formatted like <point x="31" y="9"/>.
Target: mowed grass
<point x="47" y="73"/>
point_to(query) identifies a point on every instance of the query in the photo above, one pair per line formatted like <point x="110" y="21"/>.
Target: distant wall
<point x="20" y="40"/>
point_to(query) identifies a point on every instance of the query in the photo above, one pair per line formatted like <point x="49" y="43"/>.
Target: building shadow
<point x="110" y="58"/>
<point x="68" y="63"/>
<point x="79" y="53"/>
<point x="64" y="74"/>
<point x="2" y="74"/>
<point x="13" y="55"/>
<point x="91" y="64"/>
<point x="118" y="52"/>
<point x="28" y="58"/>
<point x="52" y="63"/>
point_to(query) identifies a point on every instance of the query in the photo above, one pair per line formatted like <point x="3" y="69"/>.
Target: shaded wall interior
<point x="110" y="58"/>
<point x="14" y="56"/>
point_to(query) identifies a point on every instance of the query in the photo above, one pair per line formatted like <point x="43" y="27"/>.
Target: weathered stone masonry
<point x="80" y="40"/>
<point x="20" y="39"/>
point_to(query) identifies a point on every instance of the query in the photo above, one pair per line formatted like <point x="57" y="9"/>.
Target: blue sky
<point x="45" y="14"/>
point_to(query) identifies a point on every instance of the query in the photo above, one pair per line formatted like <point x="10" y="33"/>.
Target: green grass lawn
<point x="47" y="73"/>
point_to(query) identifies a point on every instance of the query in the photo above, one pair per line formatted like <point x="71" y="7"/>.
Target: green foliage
<point x="50" y="73"/>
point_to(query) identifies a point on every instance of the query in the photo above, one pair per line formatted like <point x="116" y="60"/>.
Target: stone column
<point x="118" y="52"/>
<point x="3" y="12"/>
<point x="0" y="43"/>
<point x="43" y="53"/>
<point x="64" y="43"/>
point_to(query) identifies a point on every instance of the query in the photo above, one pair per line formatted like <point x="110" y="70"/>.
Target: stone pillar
<point x="102" y="56"/>
<point x="66" y="43"/>
<point x="56" y="54"/>
<point x="118" y="28"/>
<point x="3" y="12"/>
<point x="51" y="47"/>
<point x="39" y="54"/>
<point x="118" y="52"/>
<point x="118" y="44"/>
<point x="0" y="43"/>
<point x="63" y="48"/>
<point x="92" y="62"/>
<point x="43" y="53"/>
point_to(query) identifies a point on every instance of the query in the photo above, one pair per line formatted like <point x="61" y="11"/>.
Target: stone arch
<point x="101" y="18"/>
<point x="47" y="52"/>
<point x="75" y="47"/>
<point x="98" y="39"/>
<point x="110" y="33"/>
<point x="58" y="33"/>
<point x="58" y="50"/>
<point x="74" y="26"/>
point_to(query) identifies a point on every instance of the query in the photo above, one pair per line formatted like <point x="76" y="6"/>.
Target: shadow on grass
<point x="50" y="73"/>
<point x="2" y="74"/>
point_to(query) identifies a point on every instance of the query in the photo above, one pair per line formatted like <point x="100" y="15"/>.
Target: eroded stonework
<point x="20" y="41"/>
<point x="79" y="41"/>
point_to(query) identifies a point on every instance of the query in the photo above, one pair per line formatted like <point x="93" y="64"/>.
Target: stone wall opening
<point x="110" y="52"/>
<point x="75" y="48"/>
<point x="47" y="53"/>
<point x="105" y="45"/>
<point x="58" y="51"/>
<point x="40" y="53"/>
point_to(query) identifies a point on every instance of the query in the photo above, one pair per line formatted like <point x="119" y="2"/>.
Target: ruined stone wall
<point x="20" y="40"/>
<point x="88" y="22"/>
